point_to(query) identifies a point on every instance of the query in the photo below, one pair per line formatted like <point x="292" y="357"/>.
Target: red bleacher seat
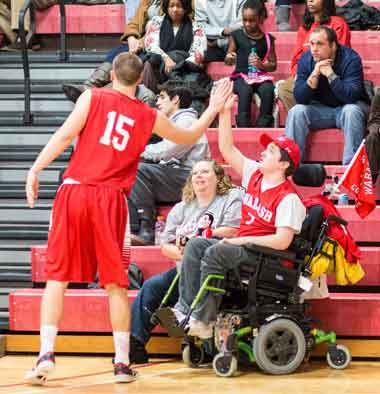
<point x="151" y="262"/>
<point x="82" y="19"/>
<point x="362" y="42"/>
<point x="349" y="314"/>
<point x="87" y="311"/>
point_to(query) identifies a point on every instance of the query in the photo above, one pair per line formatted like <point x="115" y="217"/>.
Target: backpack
<point x="135" y="277"/>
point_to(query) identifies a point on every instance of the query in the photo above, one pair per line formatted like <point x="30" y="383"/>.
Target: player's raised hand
<point x="220" y="94"/>
<point x="229" y="103"/>
<point x="31" y="188"/>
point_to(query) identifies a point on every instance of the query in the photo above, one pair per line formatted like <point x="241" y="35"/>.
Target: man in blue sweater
<point x="329" y="92"/>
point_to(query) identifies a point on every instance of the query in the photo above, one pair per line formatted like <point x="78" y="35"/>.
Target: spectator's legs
<point x="99" y="78"/>
<point x="285" y="93"/>
<point x="266" y="93"/>
<point x="282" y="11"/>
<point x="215" y="54"/>
<point x="112" y="53"/>
<point x="189" y="281"/>
<point x="146" y="303"/>
<point x="218" y="259"/>
<point x="302" y="118"/>
<point x="373" y="139"/>
<point x="155" y="183"/>
<point x="372" y="145"/>
<point x="152" y="73"/>
<point x="5" y="22"/>
<point x="351" y="118"/>
<point x="245" y="93"/>
<point x="16" y="6"/>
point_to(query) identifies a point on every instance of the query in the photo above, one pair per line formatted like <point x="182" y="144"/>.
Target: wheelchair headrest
<point x="312" y="175"/>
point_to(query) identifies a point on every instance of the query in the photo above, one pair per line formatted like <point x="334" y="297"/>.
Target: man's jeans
<point x="148" y="300"/>
<point x="203" y="257"/>
<point x="351" y="118"/>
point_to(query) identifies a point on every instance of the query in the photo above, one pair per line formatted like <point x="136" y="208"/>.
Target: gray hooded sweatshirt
<point x="185" y="156"/>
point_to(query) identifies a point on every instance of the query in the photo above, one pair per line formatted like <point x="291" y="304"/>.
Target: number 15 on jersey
<point x="120" y="140"/>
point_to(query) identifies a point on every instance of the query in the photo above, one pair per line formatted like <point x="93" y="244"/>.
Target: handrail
<point x="28" y="116"/>
<point x="26" y="40"/>
<point x="63" y="43"/>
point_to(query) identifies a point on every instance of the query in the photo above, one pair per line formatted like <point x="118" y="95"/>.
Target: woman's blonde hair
<point x="223" y="182"/>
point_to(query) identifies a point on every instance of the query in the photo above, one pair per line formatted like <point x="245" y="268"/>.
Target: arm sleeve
<point x="249" y="167"/>
<point x="173" y="220"/>
<point x="349" y="87"/>
<point x="232" y="211"/>
<point x="298" y="50"/>
<point x="290" y="213"/>
<point x="201" y="17"/>
<point x="238" y="23"/>
<point x="343" y="33"/>
<point x="136" y="25"/>
<point x="165" y="149"/>
<point x="303" y="93"/>
<point x="152" y="36"/>
<point x="199" y="44"/>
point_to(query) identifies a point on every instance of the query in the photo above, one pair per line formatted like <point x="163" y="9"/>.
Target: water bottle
<point x="343" y="199"/>
<point x="252" y="70"/>
<point x="159" y="229"/>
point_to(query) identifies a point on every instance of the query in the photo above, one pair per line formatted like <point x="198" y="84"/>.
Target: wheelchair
<point x="263" y="317"/>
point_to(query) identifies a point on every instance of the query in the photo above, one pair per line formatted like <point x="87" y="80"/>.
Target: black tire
<point x="193" y="356"/>
<point x="225" y="365"/>
<point x="341" y="359"/>
<point x="280" y="347"/>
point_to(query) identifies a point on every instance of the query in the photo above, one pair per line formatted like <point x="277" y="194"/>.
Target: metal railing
<point x="26" y="40"/>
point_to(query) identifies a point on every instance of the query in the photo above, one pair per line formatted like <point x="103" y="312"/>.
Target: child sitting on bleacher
<point x="250" y="48"/>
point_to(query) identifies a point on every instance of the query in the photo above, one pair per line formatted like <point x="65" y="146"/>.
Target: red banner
<point x="358" y="180"/>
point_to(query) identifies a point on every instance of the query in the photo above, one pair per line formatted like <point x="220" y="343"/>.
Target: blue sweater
<point x="347" y="88"/>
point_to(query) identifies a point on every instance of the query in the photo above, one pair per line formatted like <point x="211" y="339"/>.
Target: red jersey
<point x="336" y="23"/>
<point x="109" y="146"/>
<point x="258" y="213"/>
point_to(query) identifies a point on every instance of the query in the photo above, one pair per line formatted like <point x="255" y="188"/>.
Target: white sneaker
<point x="201" y="330"/>
<point x="45" y="365"/>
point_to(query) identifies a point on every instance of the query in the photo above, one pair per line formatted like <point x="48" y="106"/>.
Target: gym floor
<point x="77" y="375"/>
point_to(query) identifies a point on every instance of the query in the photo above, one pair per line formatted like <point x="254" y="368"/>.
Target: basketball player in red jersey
<point x="90" y="210"/>
<point x="271" y="212"/>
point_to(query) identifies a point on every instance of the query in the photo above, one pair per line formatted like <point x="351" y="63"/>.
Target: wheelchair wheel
<point x="280" y="347"/>
<point x="193" y="356"/>
<point x="225" y="365"/>
<point x="340" y="358"/>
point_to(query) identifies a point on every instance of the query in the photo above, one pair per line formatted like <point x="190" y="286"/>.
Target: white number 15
<point x="120" y="141"/>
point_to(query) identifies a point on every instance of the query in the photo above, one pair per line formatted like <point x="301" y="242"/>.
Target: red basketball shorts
<point x="88" y="228"/>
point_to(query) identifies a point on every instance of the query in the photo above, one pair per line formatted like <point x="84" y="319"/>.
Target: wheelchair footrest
<point x="169" y="321"/>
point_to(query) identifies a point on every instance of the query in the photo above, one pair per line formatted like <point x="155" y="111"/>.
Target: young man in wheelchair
<point x="272" y="213"/>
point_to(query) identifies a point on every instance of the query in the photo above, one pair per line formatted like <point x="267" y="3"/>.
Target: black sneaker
<point x="123" y="373"/>
<point x="137" y="352"/>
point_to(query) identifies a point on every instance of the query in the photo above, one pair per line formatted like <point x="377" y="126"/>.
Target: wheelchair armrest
<point x="283" y="254"/>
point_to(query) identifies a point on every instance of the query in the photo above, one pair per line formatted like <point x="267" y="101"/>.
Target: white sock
<point x="121" y="341"/>
<point x="48" y="334"/>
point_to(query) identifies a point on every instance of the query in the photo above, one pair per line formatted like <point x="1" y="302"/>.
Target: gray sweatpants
<point x="201" y="258"/>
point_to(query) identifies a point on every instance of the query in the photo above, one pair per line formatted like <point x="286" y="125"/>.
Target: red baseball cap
<point x="285" y="143"/>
